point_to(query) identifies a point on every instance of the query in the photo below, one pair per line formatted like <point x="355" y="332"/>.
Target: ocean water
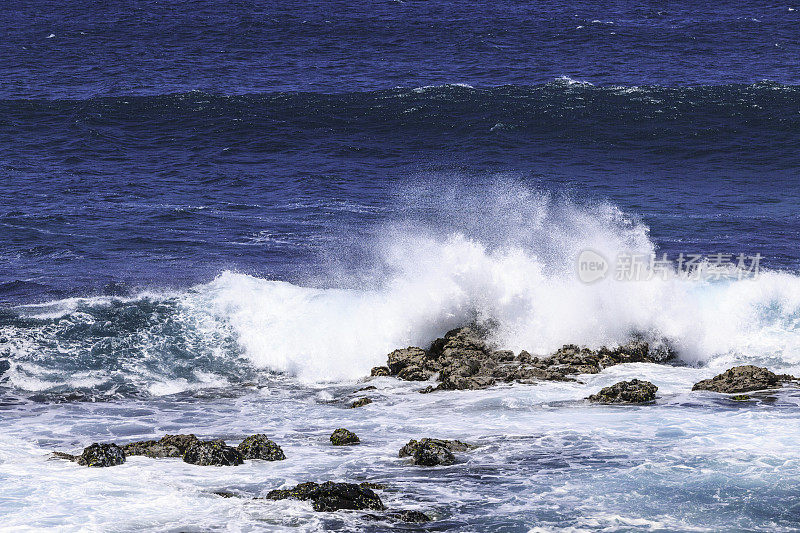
<point x="216" y="217"/>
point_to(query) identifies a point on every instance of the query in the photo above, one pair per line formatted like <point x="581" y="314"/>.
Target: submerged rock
<point x="745" y="378"/>
<point x="260" y="447"/>
<point x="633" y="391"/>
<point x="101" y="455"/>
<point x="212" y="453"/>
<point x="361" y="402"/>
<point x="64" y="455"/>
<point x="412" y="516"/>
<point x="464" y="360"/>
<point x="151" y="448"/>
<point x="343" y="437"/>
<point x="330" y="496"/>
<point x="433" y="452"/>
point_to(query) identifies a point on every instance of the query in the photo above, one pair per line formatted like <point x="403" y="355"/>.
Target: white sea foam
<point x="507" y="257"/>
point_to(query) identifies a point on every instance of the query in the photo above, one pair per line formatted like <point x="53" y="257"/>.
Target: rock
<point x="343" y="437"/>
<point x="464" y="360"/>
<point x="433" y="452"/>
<point x="5" y="366"/>
<point x="63" y="455"/>
<point x="371" y="485"/>
<point x="182" y="442"/>
<point x="400" y="359"/>
<point x="151" y="448"/>
<point x="330" y="496"/>
<point x="417" y="517"/>
<point x="634" y="391"/>
<point x="212" y="453"/>
<point x="741" y="398"/>
<point x="260" y="447"/>
<point x="101" y="455"/>
<point x="381" y="371"/>
<point x="368" y="387"/>
<point x="414" y="373"/>
<point x="361" y="402"/>
<point x="745" y="378"/>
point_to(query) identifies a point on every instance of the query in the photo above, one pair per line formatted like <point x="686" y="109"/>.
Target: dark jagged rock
<point x="343" y="437"/>
<point x="417" y="517"/>
<point x="260" y="447"/>
<point x="634" y="391"/>
<point x="433" y="452"/>
<point x="463" y="360"/>
<point x="745" y="378"/>
<point x="64" y="455"/>
<point x="182" y="442"/>
<point x="100" y="455"/>
<point x="330" y="496"/>
<point x="371" y="485"/>
<point x="381" y="371"/>
<point x="151" y="448"/>
<point x="5" y="366"/>
<point x="361" y="402"/>
<point x="368" y="387"/>
<point x="212" y="453"/>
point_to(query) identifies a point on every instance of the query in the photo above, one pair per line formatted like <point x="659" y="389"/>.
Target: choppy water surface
<point x="216" y="217"/>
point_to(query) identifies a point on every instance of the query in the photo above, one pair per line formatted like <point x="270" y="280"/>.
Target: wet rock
<point x="260" y="447"/>
<point x="414" y="373"/>
<point x="417" y="517"/>
<point x="65" y="456"/>
<point x="330" y="496"/>
<point x="634" y="391"/>
<point x="433" y="452"/>
<point x="371" y="485"/>
<point x="464" y="360"/>
<point x="151" y="448"/>
<point x="101" y="455"/>
<point x="181" y="442"/>
<point x="361" y="402"/>
<point x="381" y="371"/>
<point x="5" y="366"/>
<point x="343" y="437"/>
<point x="212" y="453"/>
<point x="369" y="387"/>
<point x="741" y="398"/>
<point x="400" y="359"/>
<point x="745" y="378"/>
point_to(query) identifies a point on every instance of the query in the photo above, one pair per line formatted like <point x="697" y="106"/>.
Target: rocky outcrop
<point x="361" y="402"/>
<point x="433" y="452"/>
<point x="633" y="391"/>
<point x="330" y="496"/>
<point x="463" y="360"/>
<point x="260" y="447"/>
<point x="745" y="378"/>
<point x="343" y="437"/>
<point x="101" y="455"/>
<point x="212" y="453"/>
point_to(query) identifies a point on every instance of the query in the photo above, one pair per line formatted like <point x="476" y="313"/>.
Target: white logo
<point x="591" y="266"/>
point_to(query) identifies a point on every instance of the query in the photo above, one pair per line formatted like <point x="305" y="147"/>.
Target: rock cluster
<point x="188" y="447"/>
<point x="745" y="378"/>
<point x="463" y="359"/>
<point x="330" y="496"/>
<point x="633" y="391"/>
<point x="433" y="452"/>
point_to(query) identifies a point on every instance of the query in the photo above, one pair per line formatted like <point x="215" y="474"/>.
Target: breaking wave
<point x="503" y="254"/>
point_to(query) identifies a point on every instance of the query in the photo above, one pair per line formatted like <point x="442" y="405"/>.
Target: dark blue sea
<point x="217" y="216"/>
